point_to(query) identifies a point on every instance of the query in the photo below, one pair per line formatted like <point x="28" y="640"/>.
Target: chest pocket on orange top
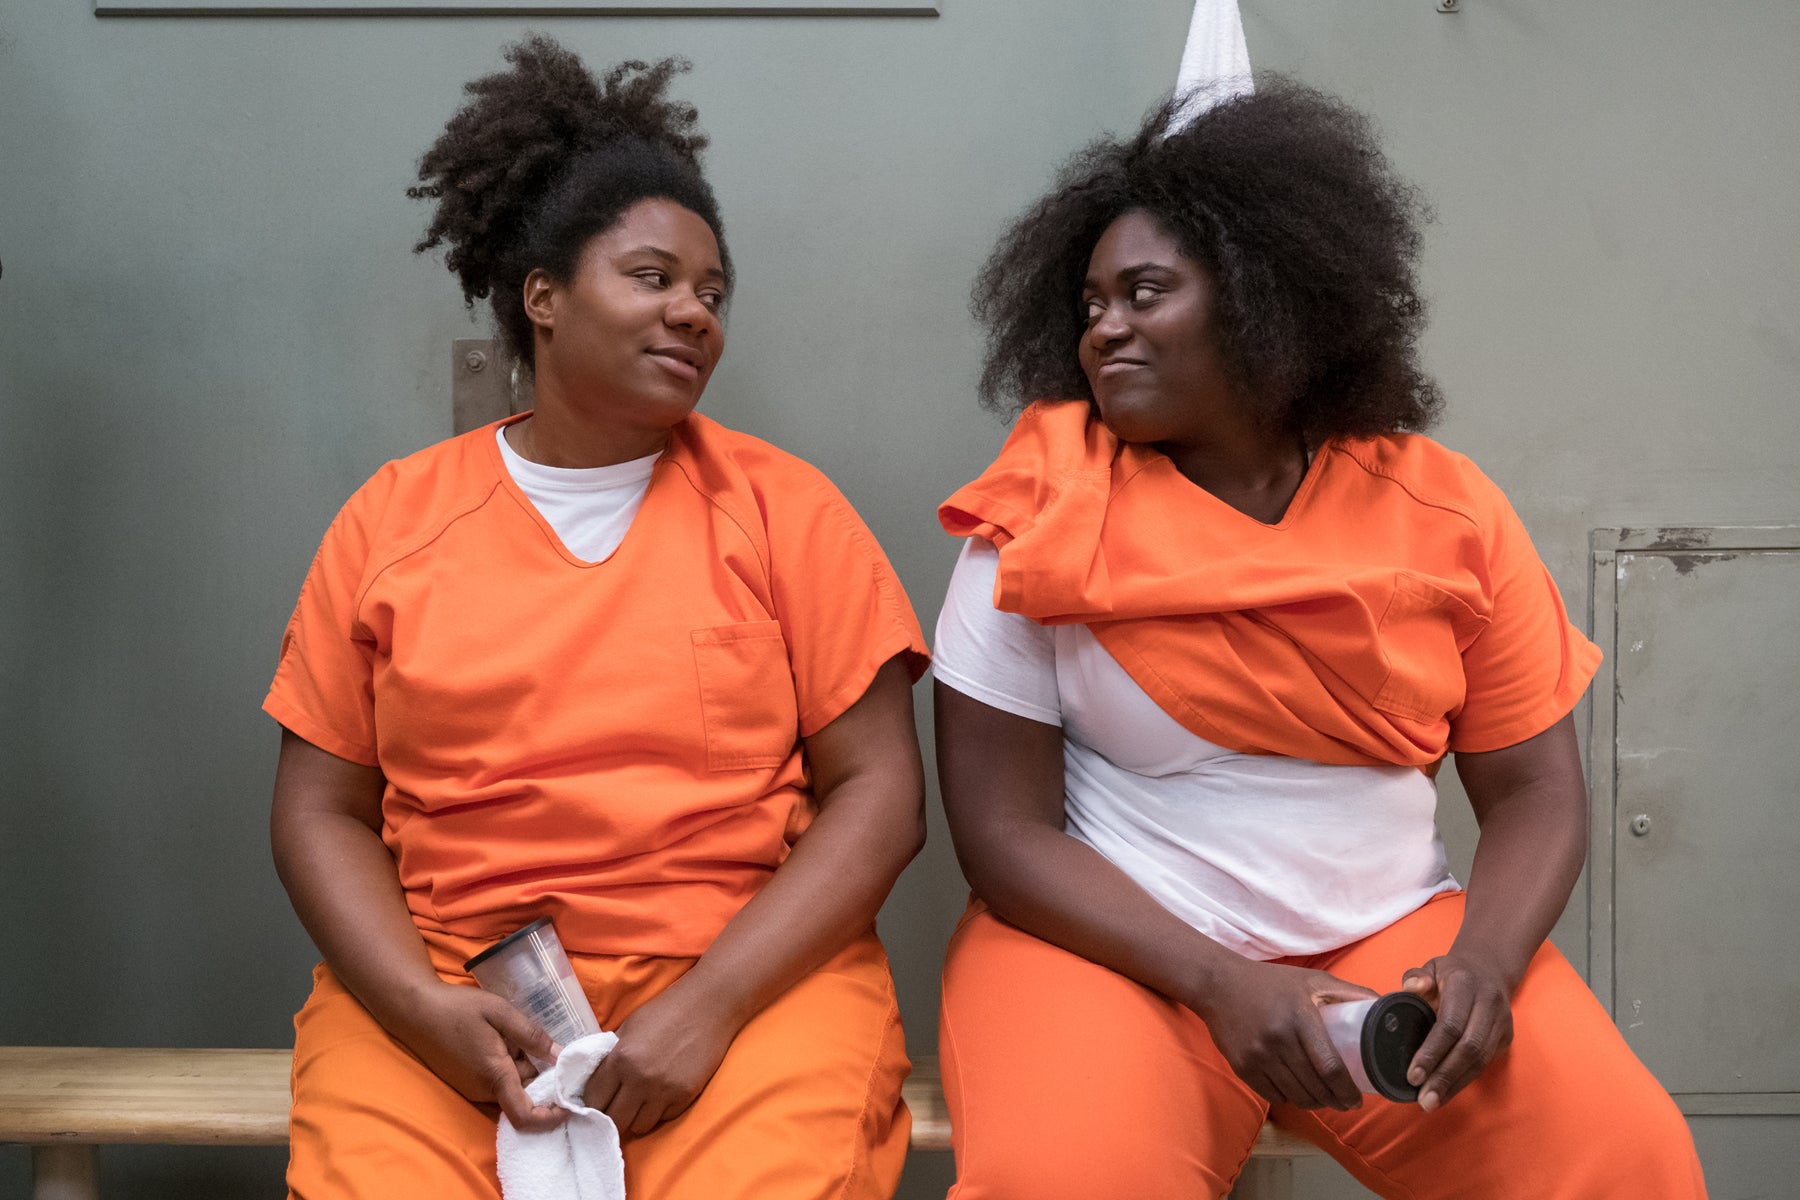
<point x="1422" y="635"/>
<point x="746" y="695"/>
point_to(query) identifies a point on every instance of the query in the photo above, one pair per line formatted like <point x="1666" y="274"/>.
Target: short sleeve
<point x="323" y="688"/>
<point x="841" y="607"/>
<point x="1529" y="666"/>
<point x="1002" y="659"/>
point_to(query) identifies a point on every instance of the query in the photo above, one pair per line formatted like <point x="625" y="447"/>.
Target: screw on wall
<point x="1450" y="6"/>
<point x="480" y="390"/>
<point x="1640" y="825"/>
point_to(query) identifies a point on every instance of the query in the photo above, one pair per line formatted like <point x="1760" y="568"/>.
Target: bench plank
<point x="924" y="1094"/>
<point x="78" y="1095"/>
<point x="87" y="1096"/>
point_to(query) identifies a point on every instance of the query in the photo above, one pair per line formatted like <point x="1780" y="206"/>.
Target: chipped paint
<point x="1675" y="538"/>
<point x="1681" y="537"/>
<point x="1685" y="563"/>
<point x="1653" y="755"/>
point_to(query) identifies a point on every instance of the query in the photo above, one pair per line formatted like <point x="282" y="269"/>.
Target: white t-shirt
<point x="589" y="507"/>
<point x="1268" y="856"/>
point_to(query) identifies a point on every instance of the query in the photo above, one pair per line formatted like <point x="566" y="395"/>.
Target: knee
<point x="1644" y="1127"/>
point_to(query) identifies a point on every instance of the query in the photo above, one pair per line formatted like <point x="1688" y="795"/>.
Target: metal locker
<point x="1694" y="868"/>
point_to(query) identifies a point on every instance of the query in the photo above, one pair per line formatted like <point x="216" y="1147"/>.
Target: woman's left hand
<point x="1474" y="1024"/>
<point x="667" y="1051"/>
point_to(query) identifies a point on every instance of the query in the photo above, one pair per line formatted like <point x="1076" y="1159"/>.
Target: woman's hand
<point x="870" y="789"/>
<point x="473" y="1041"/>
<point x="1474" y="1024"/>
<point x="1265" y="1020"/>
<point x="667" y="1051"/>
<point x="325" y="826"/>
<point x="1531" y="804"/>
<point x="1002" y="779"/>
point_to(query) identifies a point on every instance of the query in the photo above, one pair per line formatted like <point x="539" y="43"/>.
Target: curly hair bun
<point x="546" y="153"/>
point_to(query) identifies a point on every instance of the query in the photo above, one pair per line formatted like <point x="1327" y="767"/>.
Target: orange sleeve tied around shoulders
<point x="616" y="745"/>
<point x="1398" y="610"/>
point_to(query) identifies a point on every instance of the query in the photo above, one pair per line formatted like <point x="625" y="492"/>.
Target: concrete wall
<point x="212" y="330"/>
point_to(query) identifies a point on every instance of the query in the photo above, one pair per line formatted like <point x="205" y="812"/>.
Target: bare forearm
<point x="827" y="892"/>
<point x="871" y="821"/>
<point x="341" y="880"/>
<point x="1002" y="778"/>
<point x="1531" y="803"/>
<point x="344" y="887"/>
<point x="1526" y="862"/>
<point x="1065" y="892"/>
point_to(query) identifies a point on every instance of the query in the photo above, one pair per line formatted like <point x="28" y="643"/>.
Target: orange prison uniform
<point x="805" y="1105"/>
<point x="615" y="745"/>
<point x="1067" y="1081"/>
<point x="1397" y="611"/>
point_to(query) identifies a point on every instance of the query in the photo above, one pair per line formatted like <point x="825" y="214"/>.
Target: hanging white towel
<point x="1215" y="64"/>
<point x="579" y="1159"/>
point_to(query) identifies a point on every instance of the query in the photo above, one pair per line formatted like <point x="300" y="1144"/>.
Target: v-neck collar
<point x="1138" y="459"/>
<point x="511" y="485"/>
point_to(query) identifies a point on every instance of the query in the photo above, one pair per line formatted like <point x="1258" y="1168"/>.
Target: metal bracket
<point x="484" y="385"/>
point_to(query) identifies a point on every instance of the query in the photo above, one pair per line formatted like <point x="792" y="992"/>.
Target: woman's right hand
<point x="474" y="1041"/>
<point x="1265" y="1019"/>
<point x="325" y="830"/>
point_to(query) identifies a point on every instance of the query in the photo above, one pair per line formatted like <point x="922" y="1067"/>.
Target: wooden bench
<point x="66" y="1102"/>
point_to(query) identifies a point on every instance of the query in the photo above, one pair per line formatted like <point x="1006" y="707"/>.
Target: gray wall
<point x="211" y="331"/>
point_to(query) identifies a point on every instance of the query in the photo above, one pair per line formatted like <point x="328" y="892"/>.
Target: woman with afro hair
<point x="1221" y="614"/>
<point x="609" y="663"/>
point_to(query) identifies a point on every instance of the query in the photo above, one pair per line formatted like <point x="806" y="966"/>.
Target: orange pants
<point x="1065" y="1079"/>
<point x="805" y="1105"/>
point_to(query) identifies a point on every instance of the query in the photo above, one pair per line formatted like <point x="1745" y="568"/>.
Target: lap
<point x="1064" y="1079"/>
<point x="369" y="1120"/>
<point x="1567" y="1111"/>
<point x="806" y="1103"/>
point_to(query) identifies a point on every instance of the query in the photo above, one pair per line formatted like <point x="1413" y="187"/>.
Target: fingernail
<point x="1429" y="1101"/>
<point x="1416" y="1076"/>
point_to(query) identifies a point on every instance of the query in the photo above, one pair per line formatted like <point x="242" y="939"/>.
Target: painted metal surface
<point x="212" y="330"/>
<point x="1696" y="830"/>
<point x="484" y="384"/>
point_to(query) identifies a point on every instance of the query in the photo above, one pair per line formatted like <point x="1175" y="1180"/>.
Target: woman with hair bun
<point x="1220" y="617"/>
<point x="610" y="663"/>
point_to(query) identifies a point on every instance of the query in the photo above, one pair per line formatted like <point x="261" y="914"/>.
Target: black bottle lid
<point x="1392" y="1032"/>
<point x="516" y="934"/>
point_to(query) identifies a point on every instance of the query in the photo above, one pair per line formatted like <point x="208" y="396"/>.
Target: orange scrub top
<point x="615" y="745"/>
<point x="1396" y="611"/>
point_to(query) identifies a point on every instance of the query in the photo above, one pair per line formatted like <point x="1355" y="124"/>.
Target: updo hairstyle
<point x="543" y="158"/>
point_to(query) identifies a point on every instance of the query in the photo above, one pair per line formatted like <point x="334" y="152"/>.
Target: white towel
<point x="1215" y="64"/>
<point x="579" y="1159"/>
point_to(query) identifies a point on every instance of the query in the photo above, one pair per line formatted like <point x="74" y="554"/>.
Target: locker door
<point x="1698" y="810"/>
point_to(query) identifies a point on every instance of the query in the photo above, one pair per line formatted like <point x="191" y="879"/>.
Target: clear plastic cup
<point x="530" y="970"/>
<point x="1377" y="1040"/>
